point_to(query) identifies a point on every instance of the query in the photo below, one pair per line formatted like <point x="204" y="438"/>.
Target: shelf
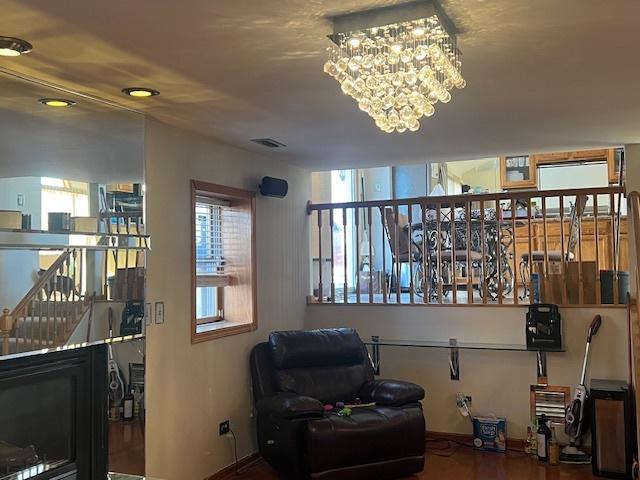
<point x="460" y="345"/>
<point x="14" y="239"/>
<point x="454" y="346"/>
<point x="83" y="234"/>
<point x="58" y="247"/>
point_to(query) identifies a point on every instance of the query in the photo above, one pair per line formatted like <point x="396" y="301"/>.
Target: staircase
<point x="47" y="325"/>
<point x="50" y="312"/>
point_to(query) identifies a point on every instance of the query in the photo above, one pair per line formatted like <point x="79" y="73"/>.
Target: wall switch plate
<point x="148" y="316"/>
<point x="159" y="312"/>
<point x="224" y="428"/>
<point x="20" y="199"/>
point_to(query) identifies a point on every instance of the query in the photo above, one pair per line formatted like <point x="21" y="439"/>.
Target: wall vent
<point x="268" y="142"/>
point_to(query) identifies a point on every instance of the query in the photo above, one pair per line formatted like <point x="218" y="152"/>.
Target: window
<point x="60" y="195"/>
<point x="343" y="190"/>
<point x="210" y="275"/>
<point x="223" y="261"/>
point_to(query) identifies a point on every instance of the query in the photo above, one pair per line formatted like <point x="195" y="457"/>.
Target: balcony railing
<point x="567" y="247"/>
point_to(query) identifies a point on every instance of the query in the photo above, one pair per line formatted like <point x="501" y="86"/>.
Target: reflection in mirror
<point x="73" y="241"/>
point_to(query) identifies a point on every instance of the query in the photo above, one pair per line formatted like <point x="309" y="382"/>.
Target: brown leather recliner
<point x="296" y="373"/>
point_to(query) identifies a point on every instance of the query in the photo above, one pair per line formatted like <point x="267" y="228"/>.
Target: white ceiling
<point x="541" y="76"/>
<point x="90" y="141"/>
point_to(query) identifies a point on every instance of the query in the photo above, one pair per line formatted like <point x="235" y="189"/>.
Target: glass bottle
<point x="529" y="443"/>
<point x="543" y="437"/>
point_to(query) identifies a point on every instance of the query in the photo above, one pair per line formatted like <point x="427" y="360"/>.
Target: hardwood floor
<point x="457" y="463"/>
<point x="126" y="447"/>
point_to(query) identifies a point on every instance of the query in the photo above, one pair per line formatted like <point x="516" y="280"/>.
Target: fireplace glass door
<point x="37" y="427"/>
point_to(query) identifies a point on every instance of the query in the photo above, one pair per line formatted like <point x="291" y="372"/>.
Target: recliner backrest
<point x="330" y="365"/>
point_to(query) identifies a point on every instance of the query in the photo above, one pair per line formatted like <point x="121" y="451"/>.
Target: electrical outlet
<point x="224" y="428"/>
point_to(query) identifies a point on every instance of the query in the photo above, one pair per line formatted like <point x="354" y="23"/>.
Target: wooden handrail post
<point x="5" y="330"/>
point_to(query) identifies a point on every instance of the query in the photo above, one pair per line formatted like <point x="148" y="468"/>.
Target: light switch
<point x="148" y="320"/>
<point x="20" y="199"/>
<point x="159" y="312"/>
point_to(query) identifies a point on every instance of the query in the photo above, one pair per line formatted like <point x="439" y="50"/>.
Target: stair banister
<point x="6" y="325"/>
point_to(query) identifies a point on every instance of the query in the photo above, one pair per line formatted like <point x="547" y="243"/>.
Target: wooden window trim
<point x="222" y="327"/>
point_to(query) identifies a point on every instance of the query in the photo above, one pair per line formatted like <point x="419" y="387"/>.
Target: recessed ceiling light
<point x="140" y="92"/>
<point x="56" y="102"/>
<point x="13" y="47"/>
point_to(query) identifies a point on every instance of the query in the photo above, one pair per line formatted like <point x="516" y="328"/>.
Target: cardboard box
<point x="134" y="286"/>
<point x="551" y="285"/>
<point x="490" y="433"/>
<point x="588" y="283"/>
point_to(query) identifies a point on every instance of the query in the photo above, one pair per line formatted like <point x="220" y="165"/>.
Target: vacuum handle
<point x="594" y="327"/>
<point x="110" y="321"/>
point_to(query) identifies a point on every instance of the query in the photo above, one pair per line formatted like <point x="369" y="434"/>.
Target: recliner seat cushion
<point x="369" y="435"/>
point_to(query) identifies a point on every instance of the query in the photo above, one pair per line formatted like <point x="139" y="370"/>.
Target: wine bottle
<point x="128" y="406"/>
<point x="543" y="435"/>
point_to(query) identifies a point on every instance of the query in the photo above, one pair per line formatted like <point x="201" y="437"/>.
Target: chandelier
<point x="397" y="72"/>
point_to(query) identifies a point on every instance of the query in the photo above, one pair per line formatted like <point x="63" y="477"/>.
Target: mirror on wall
<point x="73" y="240"/>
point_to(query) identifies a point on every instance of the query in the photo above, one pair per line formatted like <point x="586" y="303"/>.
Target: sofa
<point x="297" y="373"/>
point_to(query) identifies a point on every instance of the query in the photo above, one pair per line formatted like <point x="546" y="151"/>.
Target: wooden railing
<point x="634" y="207"/>
<point x="50" y="311"/>
<point x="634" y="314"/>
<point x="566" y="247"/>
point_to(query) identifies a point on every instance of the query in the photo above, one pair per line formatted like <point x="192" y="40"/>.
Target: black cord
<point x="235" y="450"/>
<point x="455" y="444"/>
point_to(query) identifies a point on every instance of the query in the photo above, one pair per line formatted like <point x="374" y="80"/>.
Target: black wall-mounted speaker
<point x="274" y="187"/>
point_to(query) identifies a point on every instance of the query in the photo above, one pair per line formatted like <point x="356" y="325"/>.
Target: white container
<point x="11" y="219"/>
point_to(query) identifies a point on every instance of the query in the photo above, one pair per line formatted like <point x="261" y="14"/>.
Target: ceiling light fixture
<point x="56" y="102"/>
<point x="140" y="92"/>
<point x="14" y="47"/>
<point x="404" y="61"/>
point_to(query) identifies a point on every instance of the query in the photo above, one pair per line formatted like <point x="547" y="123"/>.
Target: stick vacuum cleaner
<point x="576" y="418"/>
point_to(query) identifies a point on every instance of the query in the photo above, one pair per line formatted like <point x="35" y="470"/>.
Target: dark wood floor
<point x="463" y="463"/>
<point x="126" y="447"/>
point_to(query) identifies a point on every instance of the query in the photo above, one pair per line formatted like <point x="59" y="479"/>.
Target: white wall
<point x="192" y="388"/>
<point x="498" y="381"/>
<point x="124" y="352"/>
<point x="18" y="267"/>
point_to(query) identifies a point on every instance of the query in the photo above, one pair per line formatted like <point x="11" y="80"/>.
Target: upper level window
<point x="223" y="263"/>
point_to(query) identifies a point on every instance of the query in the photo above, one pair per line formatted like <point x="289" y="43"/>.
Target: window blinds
<point x="221" y="231"/>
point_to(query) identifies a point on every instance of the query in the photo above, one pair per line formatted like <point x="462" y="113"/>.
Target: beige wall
<point x="498" y="381"/>
<point x="192" y="388"/>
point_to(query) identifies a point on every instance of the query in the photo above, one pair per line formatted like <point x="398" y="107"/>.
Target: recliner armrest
<point x="290" y="405"/>
<point x="393" y="393"/>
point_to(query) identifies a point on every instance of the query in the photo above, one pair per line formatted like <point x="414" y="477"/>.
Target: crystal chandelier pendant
<point x="397" y="73"/>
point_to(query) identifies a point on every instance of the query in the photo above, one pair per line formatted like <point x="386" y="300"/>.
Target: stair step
<point x="33" y="326"/>
<point x="26" y="345"/>
<point x="46" y="332"/>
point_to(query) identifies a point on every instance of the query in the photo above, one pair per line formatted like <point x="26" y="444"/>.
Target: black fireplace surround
<point x="53" y="415"/>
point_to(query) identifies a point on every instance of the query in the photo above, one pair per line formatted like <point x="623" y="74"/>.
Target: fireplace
<point x="53" y="415"/>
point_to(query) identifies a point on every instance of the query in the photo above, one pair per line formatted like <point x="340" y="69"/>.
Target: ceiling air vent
<point x="268" y="142"/>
